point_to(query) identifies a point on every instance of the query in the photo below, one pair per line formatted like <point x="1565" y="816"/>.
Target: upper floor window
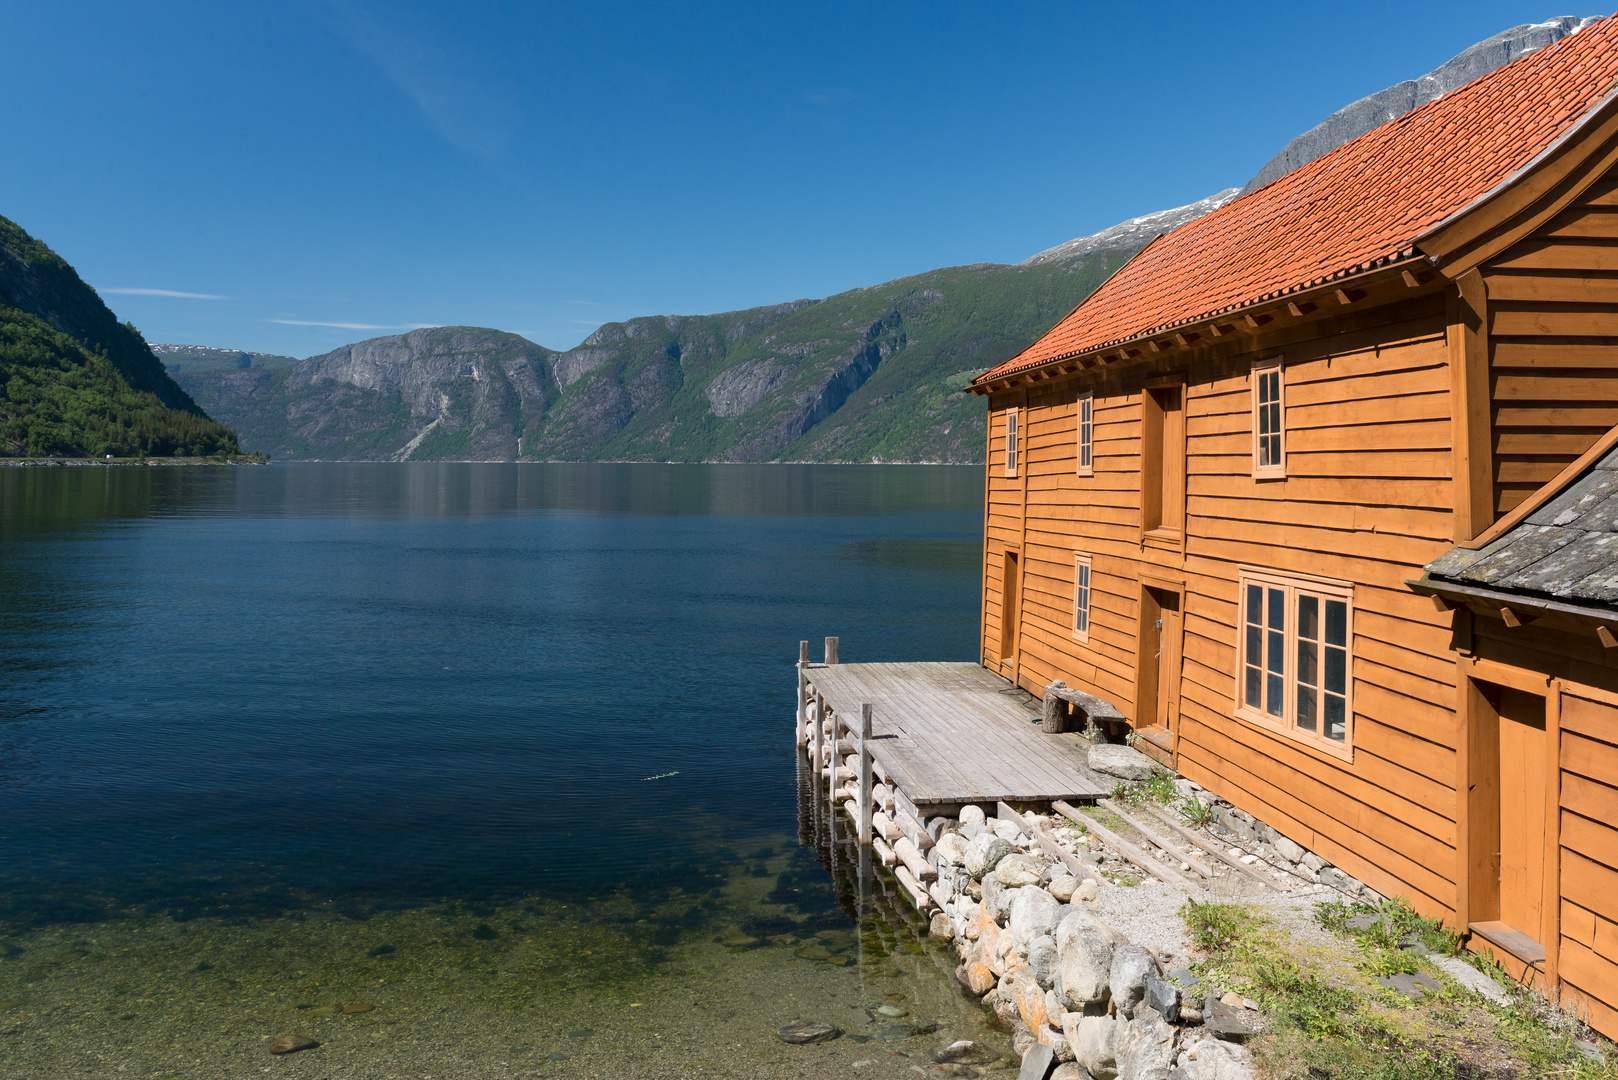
<point x="1269" y="414"/>
<point x="1297" y="638"/>
<point x="1081" y="597"/>
<point x="1011" y="442"/>
<point x="1163" y="463"/>
<point x="1086" y="455"/>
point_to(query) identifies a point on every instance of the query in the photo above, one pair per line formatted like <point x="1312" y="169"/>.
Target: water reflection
<point x="427" y="490"/>
<point x="256" y="723"/>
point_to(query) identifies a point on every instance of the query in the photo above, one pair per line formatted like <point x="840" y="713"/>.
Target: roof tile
<point x="1360" y="205"/>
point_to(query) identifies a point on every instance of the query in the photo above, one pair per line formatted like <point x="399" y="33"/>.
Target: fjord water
<point x="492" y="748"/>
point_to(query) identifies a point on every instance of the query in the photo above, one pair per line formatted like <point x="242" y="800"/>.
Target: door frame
<point x="1477" y="798"/>
<point x="1147" y="666"/>
<point x="1010" y="609"/>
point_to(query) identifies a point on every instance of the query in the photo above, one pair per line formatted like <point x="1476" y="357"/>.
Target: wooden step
<point x="1511" y="940"/>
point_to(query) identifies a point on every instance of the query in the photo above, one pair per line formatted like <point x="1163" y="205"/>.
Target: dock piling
<point x="831" y="651"/>
<point x="865" y="774"/>
<point x="800" y="737"/>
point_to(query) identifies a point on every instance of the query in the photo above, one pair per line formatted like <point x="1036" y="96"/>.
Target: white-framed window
<point x="1081" y="597"/>
<point x="1011" y="442"/>
<point x="1295" y="657"/>
<point x="1269" y="419"/>
<point x="1087" y="433"/>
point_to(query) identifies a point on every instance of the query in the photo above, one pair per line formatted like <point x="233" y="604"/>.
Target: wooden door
<point x="1157" y="677"/>
<point x="1010" y="588"/>
<point x="1168" y="658"/>
<point x="1523" y="772"/>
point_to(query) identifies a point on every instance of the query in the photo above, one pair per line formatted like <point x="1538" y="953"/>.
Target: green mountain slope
<point x="868" y="375"/>
<point x="202" y="358"/>
<point x="73" y="379"/>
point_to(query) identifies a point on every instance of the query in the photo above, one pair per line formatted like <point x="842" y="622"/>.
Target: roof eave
<point x="1191" y="325"/>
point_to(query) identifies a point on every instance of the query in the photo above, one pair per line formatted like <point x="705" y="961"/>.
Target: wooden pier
<point x="941" y="736"/>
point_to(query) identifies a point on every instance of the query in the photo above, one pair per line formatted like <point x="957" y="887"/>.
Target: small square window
<point x="1294" y="646"/>
<point x="1081" y="597"/>
<point x="1269" y="419"/>
<point x="1086" y="420"/>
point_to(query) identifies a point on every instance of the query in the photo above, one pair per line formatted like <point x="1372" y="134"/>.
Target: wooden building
<point x="1216" y="486"/>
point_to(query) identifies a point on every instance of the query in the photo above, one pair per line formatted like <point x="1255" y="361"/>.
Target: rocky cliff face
<point x="446" y="392"/>
<point x="872" y="374"/>
<point x="869" y="375"/>
<point x="1352" y="121"/>
<point x="1347" y="123"/>
<point x="1132" y="235"/>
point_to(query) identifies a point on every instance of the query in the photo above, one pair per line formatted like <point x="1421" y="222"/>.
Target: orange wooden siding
<point x="1553" y="321"/>
<point x="1366" y="499"/>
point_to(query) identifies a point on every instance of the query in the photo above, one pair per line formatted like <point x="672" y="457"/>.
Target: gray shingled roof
<point x="1566" y="549"/>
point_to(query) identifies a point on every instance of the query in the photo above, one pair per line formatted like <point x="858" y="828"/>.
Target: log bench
<point x="1063" y="708"/>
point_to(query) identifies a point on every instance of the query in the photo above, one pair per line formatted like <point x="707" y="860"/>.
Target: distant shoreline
<point x="43" y="463"/>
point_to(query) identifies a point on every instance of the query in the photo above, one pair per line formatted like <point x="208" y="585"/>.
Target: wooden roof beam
<point x="1256" y="321"/>
<point x="1300" y="310"/>
<point x="1516" y="619"/>
<point x="1350" y="296"/>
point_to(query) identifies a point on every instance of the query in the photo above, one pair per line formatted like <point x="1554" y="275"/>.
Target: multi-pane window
<point x="1269" y="436"/>
<point x="1296" y="639"/>
<point x="1081" y="597"/>
<point x="1086" y="453"/>
<point x="1011" y="442"/>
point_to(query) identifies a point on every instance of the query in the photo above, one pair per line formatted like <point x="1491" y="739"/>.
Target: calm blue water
<point x="238" y="691"/>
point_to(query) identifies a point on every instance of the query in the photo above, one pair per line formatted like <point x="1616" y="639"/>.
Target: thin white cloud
<point x="164" y="292"/>
<point x="357" y="325"/>
<point x="445" y="84"/>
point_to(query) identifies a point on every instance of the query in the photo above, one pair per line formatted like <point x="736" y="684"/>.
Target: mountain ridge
<point x="860" y="376"/>
<point x="73" y="379"/>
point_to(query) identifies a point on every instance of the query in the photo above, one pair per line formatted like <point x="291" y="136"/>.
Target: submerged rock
<point x="290" y="1044"/>
<point x="965" y="1050"/>
<point x="808" y="1031"/>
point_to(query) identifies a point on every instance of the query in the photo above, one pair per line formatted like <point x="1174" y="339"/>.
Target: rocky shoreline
<point x="1080" y="998"/>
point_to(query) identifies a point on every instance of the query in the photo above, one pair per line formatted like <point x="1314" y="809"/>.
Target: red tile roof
<point x="1361" y="206"/>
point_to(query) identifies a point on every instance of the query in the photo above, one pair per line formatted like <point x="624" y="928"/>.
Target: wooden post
<point x="865" y="773"/>
<point x="831" y="651"/>
<point x="1054" y="711"/>
<point x="800" y="737"/>
<point x="819" y="730"/>
<point x="831" y="773"/>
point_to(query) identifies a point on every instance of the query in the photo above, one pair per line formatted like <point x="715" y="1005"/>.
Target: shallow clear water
<point x="492" y="748"/>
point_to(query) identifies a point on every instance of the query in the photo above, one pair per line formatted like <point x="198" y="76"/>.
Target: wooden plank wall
<point x="1367" y="499"/>
<point x="1586" y="953"/>
<point x="1588" y="949"/>
<point x="1553" y="317"/>
<point x="1002" y="529"/>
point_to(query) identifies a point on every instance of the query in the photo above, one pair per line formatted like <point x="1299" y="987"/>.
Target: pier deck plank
<point x="950" y="734"/>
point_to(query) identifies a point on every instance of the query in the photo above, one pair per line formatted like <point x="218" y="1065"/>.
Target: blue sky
<point x="284" y="167"/>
